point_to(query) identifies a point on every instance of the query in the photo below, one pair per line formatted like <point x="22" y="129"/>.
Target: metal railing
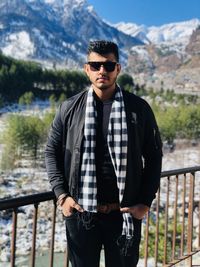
<point x="169" y="234"/>
<point x="13" y="206"/>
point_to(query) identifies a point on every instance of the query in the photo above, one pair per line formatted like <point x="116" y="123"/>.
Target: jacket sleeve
<point x="152" y="158"/>
<point x="54" y="156"/>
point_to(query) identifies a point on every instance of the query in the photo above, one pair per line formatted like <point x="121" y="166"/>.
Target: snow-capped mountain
<point x="168" y="66"/>
<point x="170" y="57"/>
<point x="54" y="30"/>
<point x="172" y="33"/>
<point x="58" y="31"/>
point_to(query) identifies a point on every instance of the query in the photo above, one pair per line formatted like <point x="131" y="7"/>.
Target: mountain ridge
<point x="57" y="31"/>
<point x="177" y="32"/>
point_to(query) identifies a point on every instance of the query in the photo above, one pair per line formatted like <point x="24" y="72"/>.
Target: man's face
<point x="102" y="77"/>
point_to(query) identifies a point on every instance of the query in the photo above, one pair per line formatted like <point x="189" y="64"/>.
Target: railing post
<point x="146" y="240"/>
<point x="14" y="235"/>
<point x="175" y="221"/>
<point x="166" y="222"/>
<point x="190" y="218"/>
<point x="53" y="235"/>
<point x="199" y="225"/>
<point x="183" y="217"/>
<point x="157" y="226"/>
<point x="66" y="261"/>
<point x="34" y="235"/>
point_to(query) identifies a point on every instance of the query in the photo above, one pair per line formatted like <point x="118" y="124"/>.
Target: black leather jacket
<point x="63" y="149"/>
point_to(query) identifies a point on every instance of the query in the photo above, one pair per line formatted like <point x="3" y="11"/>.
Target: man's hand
<point x="69" y="205"/>
<point x="138" y="211"/>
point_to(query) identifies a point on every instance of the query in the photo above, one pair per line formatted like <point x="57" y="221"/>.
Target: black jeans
<point x="84" y="245"/>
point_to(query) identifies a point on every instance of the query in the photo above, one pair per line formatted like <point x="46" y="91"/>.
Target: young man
<point x="103" y="159"/>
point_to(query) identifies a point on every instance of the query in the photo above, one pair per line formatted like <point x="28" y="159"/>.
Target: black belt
<point x="107" y="208"/>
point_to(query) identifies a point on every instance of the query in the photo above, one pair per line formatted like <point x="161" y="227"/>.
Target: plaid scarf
<point x="117" y="139"/>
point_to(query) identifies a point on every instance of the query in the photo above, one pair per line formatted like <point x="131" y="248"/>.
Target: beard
<point x="104" y="85"/>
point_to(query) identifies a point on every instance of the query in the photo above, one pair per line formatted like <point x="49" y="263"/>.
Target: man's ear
<point x="85" y="67"/>
<point x="118" y="68"/>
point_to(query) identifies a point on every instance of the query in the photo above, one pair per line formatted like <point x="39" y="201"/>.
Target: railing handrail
<point x="180" y="171"/>
<point x="13" y="203"/>
<point x="45" y="196"/>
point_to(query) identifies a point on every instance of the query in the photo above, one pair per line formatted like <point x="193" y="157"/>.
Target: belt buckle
<point x="104" y="208"/>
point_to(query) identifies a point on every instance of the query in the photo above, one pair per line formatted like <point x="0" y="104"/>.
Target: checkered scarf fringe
<point x="117" y="139"/>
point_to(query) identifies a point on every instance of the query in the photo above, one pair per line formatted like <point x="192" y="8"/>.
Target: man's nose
<point x="102" y="69"/>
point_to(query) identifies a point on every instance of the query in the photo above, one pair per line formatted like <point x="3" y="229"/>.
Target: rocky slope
<point x="168" y="66"/>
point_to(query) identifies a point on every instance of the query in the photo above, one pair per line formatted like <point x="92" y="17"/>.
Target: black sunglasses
<point x="109" y="66"/>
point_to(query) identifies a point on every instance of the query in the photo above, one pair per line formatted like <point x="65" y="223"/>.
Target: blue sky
<point x="148" y="12"/>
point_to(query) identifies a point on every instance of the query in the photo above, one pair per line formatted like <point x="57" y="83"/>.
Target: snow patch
<point x="140" y="50"/>
<point x="91" y="9"/>
<point x="17" y="23"/>
<point x="19" y="45"/>
<point x="49" y="1"/>
<point x="64" y="2"/>
<point x="179" y="32"/>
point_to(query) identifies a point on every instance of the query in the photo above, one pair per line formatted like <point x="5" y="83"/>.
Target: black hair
<point x="103" y="47"/>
